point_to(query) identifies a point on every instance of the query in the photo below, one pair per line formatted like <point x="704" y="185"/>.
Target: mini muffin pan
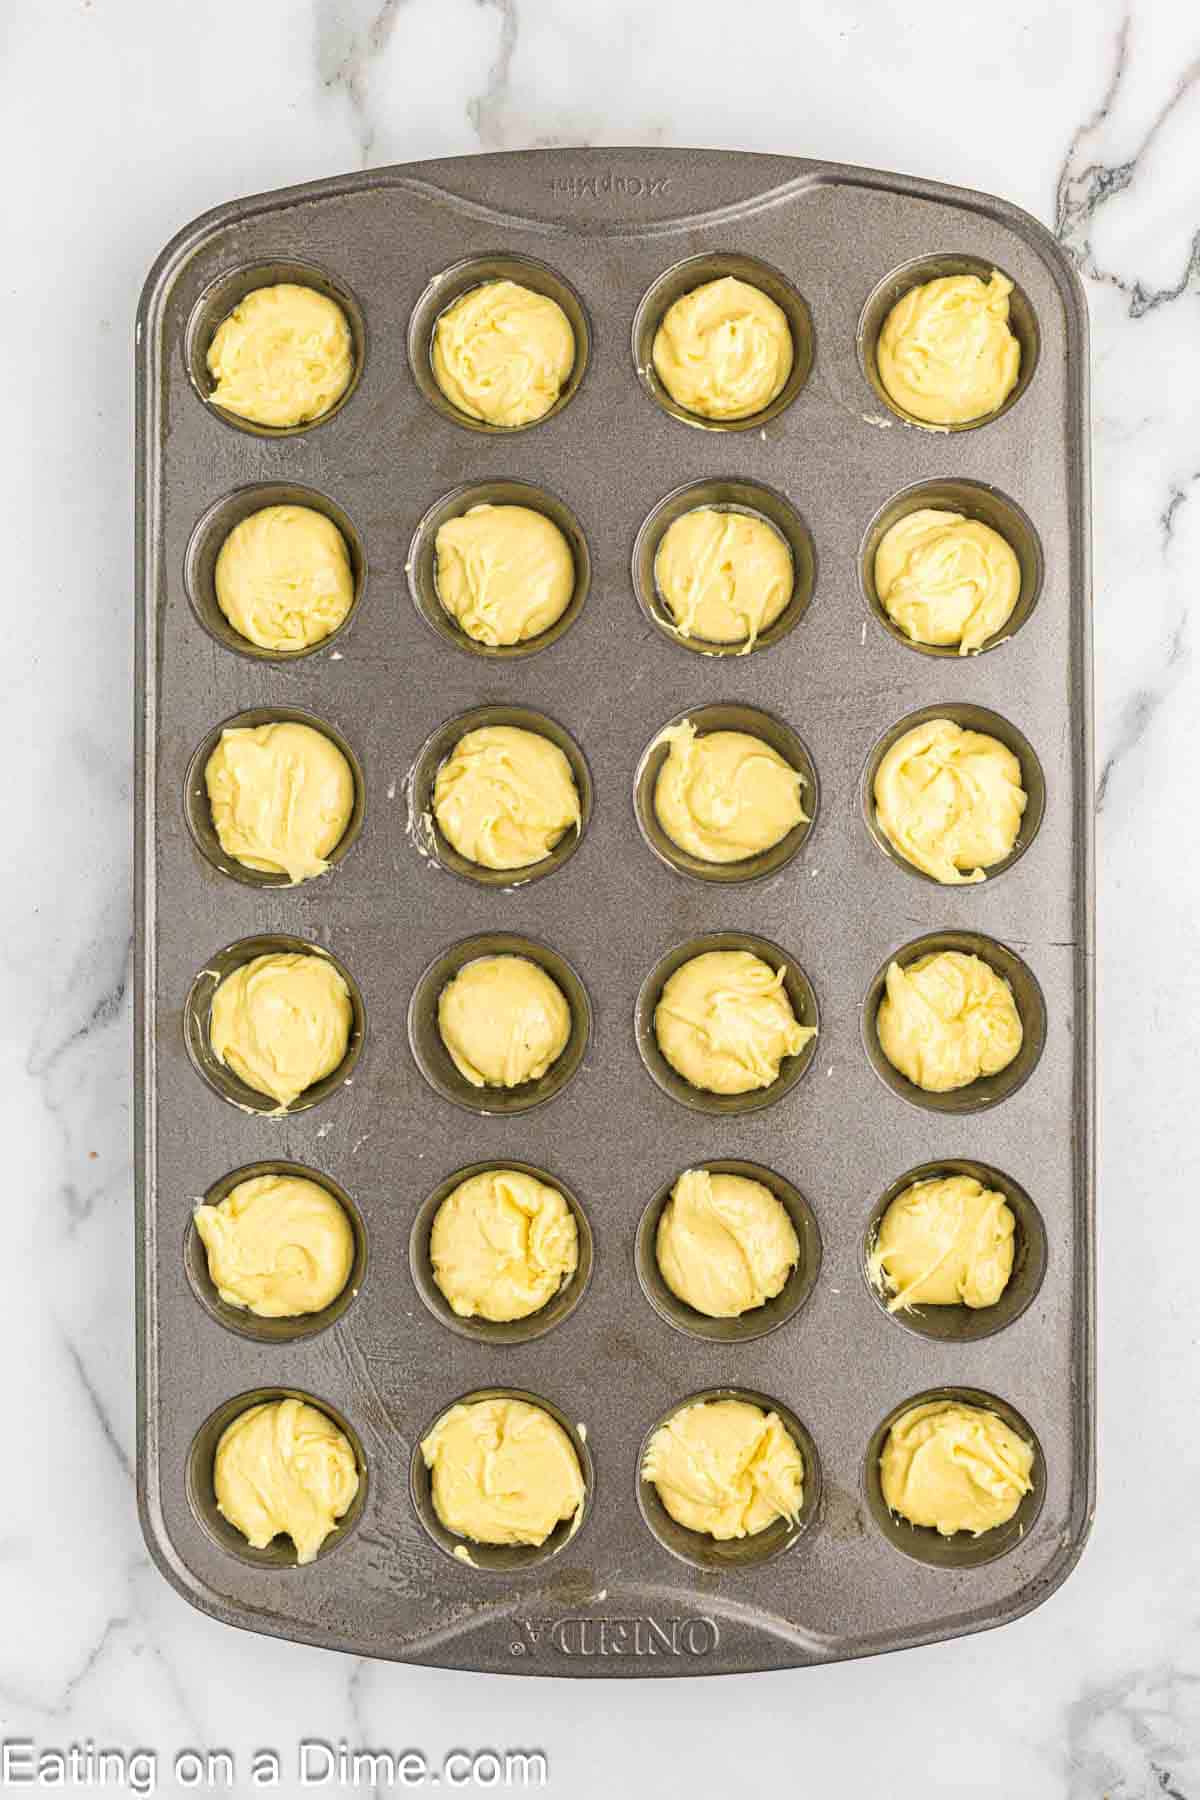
<point x="615" y="236"/>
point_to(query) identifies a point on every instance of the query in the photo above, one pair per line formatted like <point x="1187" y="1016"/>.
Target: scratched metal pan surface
<point x="625" y="1595"/>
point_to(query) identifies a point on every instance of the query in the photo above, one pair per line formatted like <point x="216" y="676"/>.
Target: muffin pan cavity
<point x="974" y="500"/>
<point x="422" y="822"/>
<point x="966" y="1324"/>
<point x="280" y="1552"/>
<point x="239" y="1318"/>
<point x="760" y="502"/>
<point x="501" y="1559"/>
<point x="421" y="566"/>
<point x="755" y="723"/>
<point x="989" y="1090"/>
<point x="218" y="301"/>
<point x="434" y="1060"/>
<point x="968" y="718"/>
<point x="494" y="1331"/>
<point x="204" y="547"/>
<point x="198" y="1006"/>
<point x="474" y="271"/>
<point x="961" y="1552"/>
<point x="796" y="985"/>
<point x="733" y="1556"/>
<point x="697" y="271"/>
<point x="198" y="813"/>
<point x="760" y="1320"/>
<point x="1022" y="321"/>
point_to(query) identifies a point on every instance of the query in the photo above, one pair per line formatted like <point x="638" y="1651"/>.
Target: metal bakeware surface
<point x="616" y="1599"/>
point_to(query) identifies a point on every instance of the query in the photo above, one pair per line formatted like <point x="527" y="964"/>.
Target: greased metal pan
<point x="612" y="232"/>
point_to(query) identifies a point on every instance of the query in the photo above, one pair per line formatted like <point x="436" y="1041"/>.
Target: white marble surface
<point x="119" y="122"/>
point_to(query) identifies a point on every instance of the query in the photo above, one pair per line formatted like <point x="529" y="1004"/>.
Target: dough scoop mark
<point x="950" y="801"/>
<point x="945" y="579"/>
<point x="733" y="1026"/>
<point x="281" y="796"/>
<point x="282" y="1023"/>
<point x="503" y="573"/>
<point x="724" y="576"/>
<point x="503" y="1472"/>
<point x="725" y="1244"/>
<point x="279" y="1246"/>
<point x="726" y="795"/>
<point x="505" y="797"/>
<point x="724" y="350"/>
<point x="943" y="1242"/>
<point x="726" y="1468"/>
<point x="503" y="1021"/>
<point x="955" y="1468"/>
<point x="946" y="353"/>
<point x="502" y="1245"/>
<point x="283" y="1467"/>
<point x="948" y="1020"/>
<point x="502" y="353"/>
<point x="283" y="578"/>
<point x="283" y="357"/>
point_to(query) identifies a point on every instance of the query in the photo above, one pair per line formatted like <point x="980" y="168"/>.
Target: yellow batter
<point x="950" y="801"/>
<point x="283" y="578"/>
<point x="282" y="357"/>
<point x="502" y="1472"/>
<point x="502" y="353"/>
<point x="278" y="1245"/>
<point x="725" y="1244"/>
<point x="503" y="573"/>
<point x="281" y="1022"/>
<point x="727" y="1468"/>
<point x="946" y="579"/>
<point x="502" y="1245"/>
<point x="725" y="1023"/>
<point x="948" y="1019"/>
<point x="954" y="1467"/>
<point x="726" y="795"/>
<point x="284" y="1467"/>
<point x="944" y="1242"/>
<point x="723" y="351"/>
<point x="946" y="353"/>
<point x="724" y="577"/>
<point x="281" y="797"/>
<point x="504" y="797"/>
<point x="503" y="1021"/>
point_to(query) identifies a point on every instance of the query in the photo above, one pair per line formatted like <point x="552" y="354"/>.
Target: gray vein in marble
<point x="486" y="110"/>
<point x="43" y="1058"/>
<point x="59" y="1708"/>
<point x="98" y="1409"/>
<point x="1127" y="1738"/>
<point x="112" y="1628"/>
<point x="359" y="1671"/>
<point x="1170" y="512"/>
<point x="89" y="1004"/>
<point x="1141" y="707"/>
<point x="1085" y="185"/>
<point x="345" y="55"/>
<point x="1136" y="715"/>
<point x="143" y="1569"/>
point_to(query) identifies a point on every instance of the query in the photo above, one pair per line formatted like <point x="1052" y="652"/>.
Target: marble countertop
<point x="120" y="120"/>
